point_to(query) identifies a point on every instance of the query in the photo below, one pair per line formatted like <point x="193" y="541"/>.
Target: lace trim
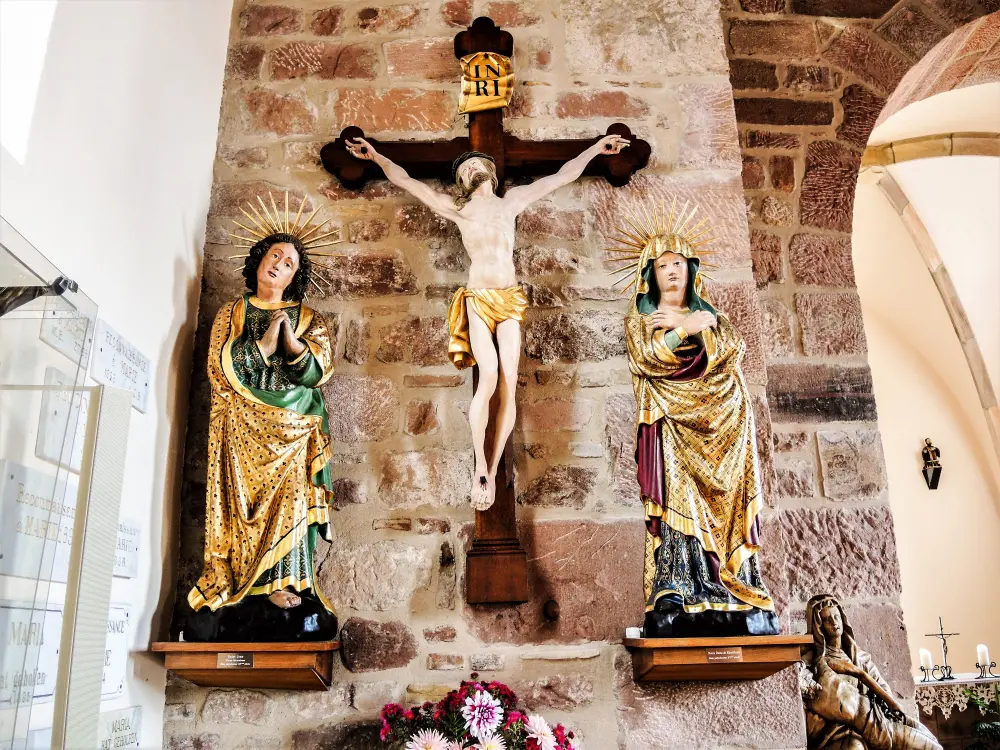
<point x="946" y="696"/>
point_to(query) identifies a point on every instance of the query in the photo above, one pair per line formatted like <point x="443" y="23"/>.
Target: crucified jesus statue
<point x="485" y="318"/>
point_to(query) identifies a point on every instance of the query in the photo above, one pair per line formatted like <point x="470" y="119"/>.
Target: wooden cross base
<point x="751" y="657"/>
<point x="283" y="666"/>
<point x="496" y="565"/>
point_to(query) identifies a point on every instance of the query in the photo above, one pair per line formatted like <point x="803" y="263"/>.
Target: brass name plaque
<point x="234" y="660"/>
<point x="732" y="653"/>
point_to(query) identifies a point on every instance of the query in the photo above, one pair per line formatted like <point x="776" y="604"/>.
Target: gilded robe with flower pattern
<point x="268" y="485"/>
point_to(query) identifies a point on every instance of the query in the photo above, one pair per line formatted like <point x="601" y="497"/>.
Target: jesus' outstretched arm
<point x="440" y="203"/>
<point x="519" y="198"/>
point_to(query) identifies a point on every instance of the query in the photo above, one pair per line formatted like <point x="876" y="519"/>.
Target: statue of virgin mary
<point x="699" y="473"/>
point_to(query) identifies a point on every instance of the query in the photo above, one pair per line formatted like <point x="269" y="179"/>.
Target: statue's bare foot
<point x="482" y="493"/>
<point x="285" y="599"/>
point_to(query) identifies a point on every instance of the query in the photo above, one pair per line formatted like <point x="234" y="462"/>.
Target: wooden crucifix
<point x="496" y="563"/>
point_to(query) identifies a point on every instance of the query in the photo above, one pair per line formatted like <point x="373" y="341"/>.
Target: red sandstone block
<point x="457" y="12"/>
<point x="509" y="14"/>
<point x="389" y="110"/>
<point x="753" y="173"/>
<point x="430" y="59"/>
<point x="784" y="39"/>
<point x="765" y="249"/>
<point x="782" y="170"/>
<point x="600" y="104"/>
<point x="270" y="20"/>
<point x="244" y="60"/>
<point x="827" y="199"/>
<point x="323" y="60"/>
<point x="327" y="22"/>
<point x="857" y="51"/>
<point x="391" y="19"/>
<point x="280" y="114"/>
<point x="861" y="109"/>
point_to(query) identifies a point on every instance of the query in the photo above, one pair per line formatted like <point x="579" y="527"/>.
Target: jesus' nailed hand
<point x="493" y="304"/>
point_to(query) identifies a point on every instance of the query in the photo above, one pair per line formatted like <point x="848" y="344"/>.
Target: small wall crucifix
<point x="484" y="318"/>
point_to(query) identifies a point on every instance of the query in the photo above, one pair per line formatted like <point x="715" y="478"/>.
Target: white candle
<point x="925" y="659"/>
<point x="983" y="655"/>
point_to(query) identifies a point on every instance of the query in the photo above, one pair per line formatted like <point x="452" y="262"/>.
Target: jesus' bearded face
<point x="474" y="172"/>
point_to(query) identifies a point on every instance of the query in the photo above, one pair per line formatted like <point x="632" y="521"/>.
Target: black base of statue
<point x="669" y="620"/>
<point x="257" y="620"/>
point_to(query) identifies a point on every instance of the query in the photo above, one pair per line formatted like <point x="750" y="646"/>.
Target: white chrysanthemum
<point x="492" y="742"/>
<point x="427" y="739"/>
<point x="482" y="713"/>
<point x="538" y="729"/>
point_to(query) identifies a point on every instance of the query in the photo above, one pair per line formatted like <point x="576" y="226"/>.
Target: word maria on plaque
<point x="119" y="729"/>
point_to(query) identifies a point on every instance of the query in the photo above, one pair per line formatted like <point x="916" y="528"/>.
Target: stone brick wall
<point x="299" y="72"/>
<point x="810" y="78"/>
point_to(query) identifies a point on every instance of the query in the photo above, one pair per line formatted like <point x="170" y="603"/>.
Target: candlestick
<point x="983" y="663"/>
<point x="926" y="661"/>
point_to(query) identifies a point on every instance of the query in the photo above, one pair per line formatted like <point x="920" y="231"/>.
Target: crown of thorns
<point x="465" y="157"/>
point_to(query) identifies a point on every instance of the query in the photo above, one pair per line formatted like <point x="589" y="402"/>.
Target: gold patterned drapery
<point x="711" y="473"/>
<point x="261" y="499"/>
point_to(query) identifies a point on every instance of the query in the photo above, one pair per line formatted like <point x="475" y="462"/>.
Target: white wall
<point x="113" y="188"/>
<point x="957" y="198"/>
<point x="947" y="539"/>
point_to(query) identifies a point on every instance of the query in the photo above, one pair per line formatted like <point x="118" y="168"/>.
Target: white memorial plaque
<point x="127" y="548"/>
<point x="115" y="652"/>
<point x="36" y="522"/>
<point x="30" y="653"/>
<point x="119" y="729"/>
<point x="61" y="430"/>
<point x="69" y="334"/>
<point x="117" y="363"/>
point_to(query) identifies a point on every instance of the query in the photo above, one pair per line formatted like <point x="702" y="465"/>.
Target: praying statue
<point x="699" y="473"/>
<point x="848" y="704"/>
<point x="484" y="318"/>
<point x="269" y="482"/>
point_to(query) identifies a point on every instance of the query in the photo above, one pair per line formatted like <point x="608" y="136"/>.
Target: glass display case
<point x="46" y="332"/>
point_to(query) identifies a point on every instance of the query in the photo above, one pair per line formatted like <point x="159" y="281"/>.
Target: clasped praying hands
<point x="281" y="331"/>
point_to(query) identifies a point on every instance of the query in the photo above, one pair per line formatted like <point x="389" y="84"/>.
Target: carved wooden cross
<point x="496" y="565"/>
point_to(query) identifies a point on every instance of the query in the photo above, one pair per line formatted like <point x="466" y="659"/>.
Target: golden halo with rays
<point x="267" y="222"/>
<point x="652" y="231"/>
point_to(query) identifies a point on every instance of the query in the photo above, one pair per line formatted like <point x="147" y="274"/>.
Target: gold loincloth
<point x="493" y="306"/>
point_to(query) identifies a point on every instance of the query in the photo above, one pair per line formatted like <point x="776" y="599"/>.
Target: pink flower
<point x="538" y="729"/>
<point x="427" y="739"/>
<point x="483" y="714"/>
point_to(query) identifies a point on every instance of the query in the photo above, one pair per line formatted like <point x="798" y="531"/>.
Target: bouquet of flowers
<point x="477" y="716"/>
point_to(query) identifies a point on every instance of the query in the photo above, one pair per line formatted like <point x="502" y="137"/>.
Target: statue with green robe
<point x="269" y="484"/>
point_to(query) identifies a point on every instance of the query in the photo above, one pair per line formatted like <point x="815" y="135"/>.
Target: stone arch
<point x="969" y="56"/>
<point x="810" y="78"/>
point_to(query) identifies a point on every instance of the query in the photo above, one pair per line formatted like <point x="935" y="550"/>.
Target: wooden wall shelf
<point x="287" y="666"/>
<point x="743" y="658"/>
